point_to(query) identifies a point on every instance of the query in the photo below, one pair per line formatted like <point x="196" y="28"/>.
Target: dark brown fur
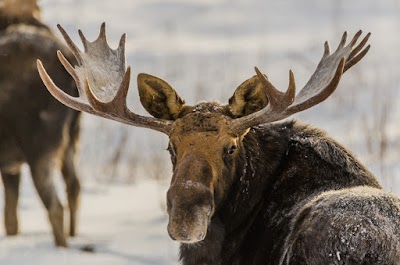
<point x="34" y="127"/>
<point x="284" y="168"/>
<point x="286" y="194"/>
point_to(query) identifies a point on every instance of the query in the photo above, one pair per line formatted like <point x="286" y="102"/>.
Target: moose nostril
<point x="172" y="237"/>
<point x="181" y="237"/>
<point x="201" y="236"/>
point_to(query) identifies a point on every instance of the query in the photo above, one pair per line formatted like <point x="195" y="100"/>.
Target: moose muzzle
<point x="190" y="207"/>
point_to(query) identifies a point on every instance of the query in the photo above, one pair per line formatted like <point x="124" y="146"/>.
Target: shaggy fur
<point x="300" y="198"/>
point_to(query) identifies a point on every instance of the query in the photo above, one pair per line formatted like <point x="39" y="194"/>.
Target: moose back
<point x="245" y="190"/>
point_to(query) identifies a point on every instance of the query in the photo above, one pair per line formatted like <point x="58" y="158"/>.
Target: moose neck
<point x="261" y="162"/>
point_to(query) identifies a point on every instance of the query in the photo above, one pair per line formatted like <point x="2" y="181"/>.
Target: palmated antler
<point x="102" y="80"/>
<point x="320" y="86"/>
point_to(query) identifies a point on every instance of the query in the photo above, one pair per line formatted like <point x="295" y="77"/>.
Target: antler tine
<point x="121" y="45"/>
<point x="67" y="66"/>
<point x="71" y="71"/>
<point x="277" y="99"/>
<point x="342" y="41"/>
<point x="321" y="85"/>
<point x="355" y="38"/>
<point x="327" y="49"/>
<point x="102" y="81"/>
<point x="84" y="40"/>
<point x="359" y="46"/>
<point x="102" y="34"/>
<point x="356" y="59"/>
<point x="122" y="93"/>
<point x="122" y="41"/>
<point x="60" y="95"/>
<point x="75" y="50"/>
<point x="353" y="59"/>
<point x="278" y="102"/>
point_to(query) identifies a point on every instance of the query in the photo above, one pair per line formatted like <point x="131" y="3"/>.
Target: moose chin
<point x="245" y="188"/>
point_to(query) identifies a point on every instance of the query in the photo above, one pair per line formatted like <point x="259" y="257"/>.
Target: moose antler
<point x="320" y="86"/>
<point x="102" y="81"/>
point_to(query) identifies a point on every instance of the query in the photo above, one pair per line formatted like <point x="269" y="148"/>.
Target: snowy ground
<point x="124" y="224"/>
<point x="205" y="49"/>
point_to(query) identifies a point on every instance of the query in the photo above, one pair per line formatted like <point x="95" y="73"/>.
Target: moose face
<point x="206" y="139"/>
<point x="204" y="150"/>
<point x="203" y="153"/>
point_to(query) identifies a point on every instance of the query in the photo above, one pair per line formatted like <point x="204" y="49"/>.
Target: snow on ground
<point x="124" y="224"/>
<point x="205" y="49"/>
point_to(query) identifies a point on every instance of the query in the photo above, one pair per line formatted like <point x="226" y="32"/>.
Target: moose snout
<point x="188" y="223"/>
<point x="186" y="235"/>
<point x="190" y="211"/>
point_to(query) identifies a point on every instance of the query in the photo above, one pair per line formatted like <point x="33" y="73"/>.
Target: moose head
<point x="205" y="140"/>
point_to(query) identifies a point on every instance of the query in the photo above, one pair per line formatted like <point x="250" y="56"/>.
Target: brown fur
<point x="35" y="128"/>
<point x="269" y="196"/>
<point x="346" y="235"/>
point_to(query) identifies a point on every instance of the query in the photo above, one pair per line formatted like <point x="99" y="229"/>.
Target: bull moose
<point x="34" y="127"/>
<point x="245" y="190"/>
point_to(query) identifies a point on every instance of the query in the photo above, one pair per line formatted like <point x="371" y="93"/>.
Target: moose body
<point x="34" y="128"/>
<point x="268" y="217"/>
<point x="245" y="190"/>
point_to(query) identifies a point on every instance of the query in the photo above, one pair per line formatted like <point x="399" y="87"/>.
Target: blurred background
<point x="205" y="49"/>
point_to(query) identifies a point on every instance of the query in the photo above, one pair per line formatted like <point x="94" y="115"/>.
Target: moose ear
<point x="158" y="97"/>
<point x="249" y="97"/>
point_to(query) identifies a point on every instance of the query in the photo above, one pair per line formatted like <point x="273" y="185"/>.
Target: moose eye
<point x="231" y="150"/>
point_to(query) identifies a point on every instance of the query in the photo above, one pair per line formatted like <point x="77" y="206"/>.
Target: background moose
<point x="34" y="128"/>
